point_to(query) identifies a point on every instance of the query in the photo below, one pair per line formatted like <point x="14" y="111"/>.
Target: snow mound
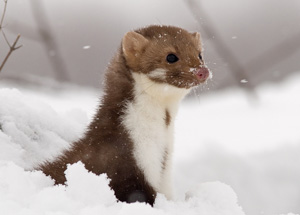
<point x="31" y="192"/>
<point x="216" y="194"/>
<point x="213" y="198"/>
<point x="31" y="131"/>
<point x="88" y="188"/>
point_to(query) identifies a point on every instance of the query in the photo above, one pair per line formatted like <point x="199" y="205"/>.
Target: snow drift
<point x="24" y="192"/>
<point x="36" y="126"/>
<point x="31" y="132"/>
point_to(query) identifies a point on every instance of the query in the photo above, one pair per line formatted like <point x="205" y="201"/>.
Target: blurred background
<point x="247" y="44"/>
<point x="73" y="41"/>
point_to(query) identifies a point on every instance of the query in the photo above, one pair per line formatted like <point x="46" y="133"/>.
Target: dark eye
<point x="171" y="58"/>
<point x="200" y="56"/>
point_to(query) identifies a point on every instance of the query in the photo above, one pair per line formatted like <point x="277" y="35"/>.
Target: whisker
<point x="196" y="95"/>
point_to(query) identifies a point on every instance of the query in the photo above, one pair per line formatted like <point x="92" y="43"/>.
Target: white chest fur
<point x="145" y="120"/>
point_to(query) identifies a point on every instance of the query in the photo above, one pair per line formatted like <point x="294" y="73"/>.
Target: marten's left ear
<point x="133" y="43"/>
<point x="197" y="37"/>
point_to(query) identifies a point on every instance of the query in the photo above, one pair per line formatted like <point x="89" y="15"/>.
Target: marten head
<point x="166" y="54"/>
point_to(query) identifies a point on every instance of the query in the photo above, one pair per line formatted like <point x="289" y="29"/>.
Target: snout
<point x="202" y="73"/>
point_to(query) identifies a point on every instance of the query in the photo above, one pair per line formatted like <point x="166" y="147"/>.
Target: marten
<point x="131" y="135"/>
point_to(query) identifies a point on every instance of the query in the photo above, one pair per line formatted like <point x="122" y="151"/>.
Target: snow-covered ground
<point x="232" y="156"/>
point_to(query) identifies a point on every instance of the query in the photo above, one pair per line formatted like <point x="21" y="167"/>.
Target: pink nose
<point x="202" y="73"/>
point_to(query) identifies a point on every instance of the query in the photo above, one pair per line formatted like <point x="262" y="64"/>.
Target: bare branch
<point x="15" y="43"/>
<point x="3" y="15"/>
<point x="5" y="38"/>
<point x="12" y="47"/>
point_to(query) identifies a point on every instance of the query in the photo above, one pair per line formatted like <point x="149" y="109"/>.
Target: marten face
<point x="166" y="55"/>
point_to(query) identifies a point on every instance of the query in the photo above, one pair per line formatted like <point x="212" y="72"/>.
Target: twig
<point x="5" y="38"/>
<point x="4" y="11"/>
<point x="12" y="47"/>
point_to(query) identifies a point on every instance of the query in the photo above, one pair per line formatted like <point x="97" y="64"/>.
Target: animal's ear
<point x="197" y="37"/>
<point x="133" y="43"/>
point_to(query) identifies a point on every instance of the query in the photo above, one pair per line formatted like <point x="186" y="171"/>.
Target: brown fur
<point x="161" y="41"/>
<point x="106" y="146"/>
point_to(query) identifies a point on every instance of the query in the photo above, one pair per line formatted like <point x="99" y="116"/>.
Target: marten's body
<point x="131" y="136"/>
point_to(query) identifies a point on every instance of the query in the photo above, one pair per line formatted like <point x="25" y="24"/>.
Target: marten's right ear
<point x="133" y="43"/>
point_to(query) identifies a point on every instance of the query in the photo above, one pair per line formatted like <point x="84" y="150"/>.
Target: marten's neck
<point x="149" y="120"/>
<point x="161" y="93"/>
<point x="119" y="83"/>
<point x="118" y="91"/>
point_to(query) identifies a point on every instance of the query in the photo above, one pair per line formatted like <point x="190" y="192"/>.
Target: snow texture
<point x="31" y="192"/>
<point x="262" y="167"/>
<point x="32" y="131"/>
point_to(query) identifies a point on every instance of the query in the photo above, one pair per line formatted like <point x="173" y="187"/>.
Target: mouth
<point x="191" y="78"/>
<point x="188" y="79"/>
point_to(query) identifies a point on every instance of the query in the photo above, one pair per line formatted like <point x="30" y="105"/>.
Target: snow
<point x="192" y="70"/>
<point x="24" y="192"/>
<point x="232" y="155"/>
<point x="86" y="47"/>
<point x="29" y="125"/>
